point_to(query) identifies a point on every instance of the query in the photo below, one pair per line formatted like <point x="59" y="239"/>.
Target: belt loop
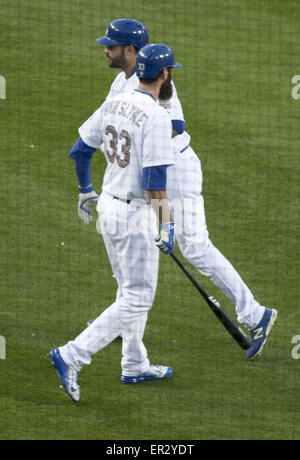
<point x="121" y="199"/>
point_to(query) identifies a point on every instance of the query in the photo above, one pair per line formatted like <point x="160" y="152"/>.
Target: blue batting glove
<point x="166" y="240"/>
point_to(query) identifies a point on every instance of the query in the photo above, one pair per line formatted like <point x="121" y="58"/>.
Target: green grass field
<point x="239" y="58"/>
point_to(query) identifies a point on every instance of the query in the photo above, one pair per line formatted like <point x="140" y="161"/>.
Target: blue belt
<point x="181" y="151"/>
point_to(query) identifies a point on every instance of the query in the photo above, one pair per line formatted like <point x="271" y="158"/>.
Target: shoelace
<point x="157" y="369"/>
<point x="72" y="378"/>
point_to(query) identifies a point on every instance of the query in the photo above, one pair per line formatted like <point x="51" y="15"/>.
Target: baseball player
<point x="122" y="40"/>
<point x="136" y="132"/>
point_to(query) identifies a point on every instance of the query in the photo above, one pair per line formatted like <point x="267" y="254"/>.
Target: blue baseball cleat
<point x="67" y="375"/>
<point x="153" y="373"/>
<point x="90" y="322"/>
<point x="259" y="333"/>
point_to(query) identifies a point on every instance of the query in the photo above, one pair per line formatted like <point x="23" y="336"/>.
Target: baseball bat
<point x="232" y="327"/>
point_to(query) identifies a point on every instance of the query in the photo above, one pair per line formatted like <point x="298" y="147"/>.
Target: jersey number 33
<point x="114" y="142"/>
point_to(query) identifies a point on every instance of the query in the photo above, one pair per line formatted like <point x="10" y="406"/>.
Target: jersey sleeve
<point x="91" y="130"/>
<point x="157" y="143"/>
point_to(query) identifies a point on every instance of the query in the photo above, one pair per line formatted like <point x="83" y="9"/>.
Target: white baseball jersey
<point x="172" y="106"/>
<point x="136" y="133"/>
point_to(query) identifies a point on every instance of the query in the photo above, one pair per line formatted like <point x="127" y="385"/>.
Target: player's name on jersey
<point x="127" y="110"/>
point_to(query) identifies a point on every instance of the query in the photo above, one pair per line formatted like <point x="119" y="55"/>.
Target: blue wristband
<point x="87" y="189"/>
<point x="169" y="226"/>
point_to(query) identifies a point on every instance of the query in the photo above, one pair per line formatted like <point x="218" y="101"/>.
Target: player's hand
<point x="166" y="239"/>
<point x="86" y="204"/>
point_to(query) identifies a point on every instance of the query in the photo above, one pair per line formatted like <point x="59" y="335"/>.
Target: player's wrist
<point x="168" y="226"/>
<point x="166" y="240"/>
<point x="86" y="189"/>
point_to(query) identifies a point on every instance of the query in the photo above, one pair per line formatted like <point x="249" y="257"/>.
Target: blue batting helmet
<point x="153" y="58"/>
<point x="125" y="32"/>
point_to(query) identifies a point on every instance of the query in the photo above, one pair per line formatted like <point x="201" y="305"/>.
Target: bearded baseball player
<point x="123" y="39"/>
<point x="136" y="133"/>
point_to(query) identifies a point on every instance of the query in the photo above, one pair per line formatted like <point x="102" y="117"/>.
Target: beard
<point x="118" y="61"/>
<point x="166" y="90"/>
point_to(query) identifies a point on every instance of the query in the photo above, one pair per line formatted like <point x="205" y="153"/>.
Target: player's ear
<point x="165" y="74"/>
<point x="131" y="49"/>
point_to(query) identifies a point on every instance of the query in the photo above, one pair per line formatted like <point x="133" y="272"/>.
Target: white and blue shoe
<point x="90" y="322"/>
<point x="259" y="333"/>
<point x="153" y="373"/>
<point x="67" y="375"/>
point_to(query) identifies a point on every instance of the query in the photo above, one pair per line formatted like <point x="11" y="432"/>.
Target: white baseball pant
<point x="184" y="183"/>
<point x="134" y="261"/>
